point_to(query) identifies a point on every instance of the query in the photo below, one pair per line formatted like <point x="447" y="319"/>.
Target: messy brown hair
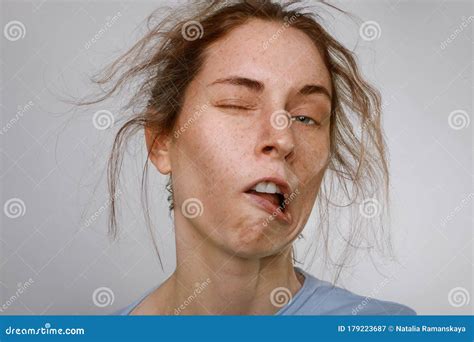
<point x="165" y="61"/>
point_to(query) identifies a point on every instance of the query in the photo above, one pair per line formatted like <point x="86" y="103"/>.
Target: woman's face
<point x="233" y="132"/>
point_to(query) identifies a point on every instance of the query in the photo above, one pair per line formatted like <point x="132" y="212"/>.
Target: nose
<point x="277" y="140"/>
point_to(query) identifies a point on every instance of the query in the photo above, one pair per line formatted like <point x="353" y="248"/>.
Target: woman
<point x="254" y="112"/>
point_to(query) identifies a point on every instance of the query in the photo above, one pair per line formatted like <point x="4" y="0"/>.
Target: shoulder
<point x="128" y="309"/>
<point x="125" y="311"/>
<point x="324" y="298"/>
<point x="345" y="302"/>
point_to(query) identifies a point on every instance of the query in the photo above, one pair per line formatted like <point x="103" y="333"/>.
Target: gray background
<point x="53" y="158"/>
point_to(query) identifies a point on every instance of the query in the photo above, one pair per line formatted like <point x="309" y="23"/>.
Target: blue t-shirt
<point x="319" y="297"/>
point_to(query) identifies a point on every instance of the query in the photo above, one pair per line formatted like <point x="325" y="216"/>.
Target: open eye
<point x="305" y="119"/>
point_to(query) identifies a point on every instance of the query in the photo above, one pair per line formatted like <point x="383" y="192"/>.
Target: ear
<point x="158" y="149"/>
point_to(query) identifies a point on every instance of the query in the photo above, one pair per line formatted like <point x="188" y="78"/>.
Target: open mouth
<point x="269" y="196"/>
<point x="276" y="199"/>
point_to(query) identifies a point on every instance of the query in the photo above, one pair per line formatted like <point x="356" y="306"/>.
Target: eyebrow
<point x="241" y="81"/>
<point x="258" y="86"/>
<point x="315" y="89"/>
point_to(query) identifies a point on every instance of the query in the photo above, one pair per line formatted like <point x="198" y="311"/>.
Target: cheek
<point x="313" y="153"/>
<point x="313" y="157"/>
<point x="208" y="153"/>
<point x="222" y="147"/>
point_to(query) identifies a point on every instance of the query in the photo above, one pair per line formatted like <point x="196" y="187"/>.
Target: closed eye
<point x="232" y="107"/>
<point x="237" y="107"/>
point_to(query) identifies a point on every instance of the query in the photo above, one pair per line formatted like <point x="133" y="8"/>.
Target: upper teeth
<point x="267" y="187"/>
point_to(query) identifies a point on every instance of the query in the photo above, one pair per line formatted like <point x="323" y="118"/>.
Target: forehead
<point x="267" y="51"/>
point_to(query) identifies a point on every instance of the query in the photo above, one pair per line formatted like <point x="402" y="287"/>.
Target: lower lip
<point x="270" y="208"/>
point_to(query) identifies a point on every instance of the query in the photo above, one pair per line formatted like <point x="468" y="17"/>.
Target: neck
<point x="210" y="281"/>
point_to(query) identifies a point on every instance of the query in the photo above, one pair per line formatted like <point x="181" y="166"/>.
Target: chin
<point x="257" y="252"/>
<point x="256" y="242"/>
